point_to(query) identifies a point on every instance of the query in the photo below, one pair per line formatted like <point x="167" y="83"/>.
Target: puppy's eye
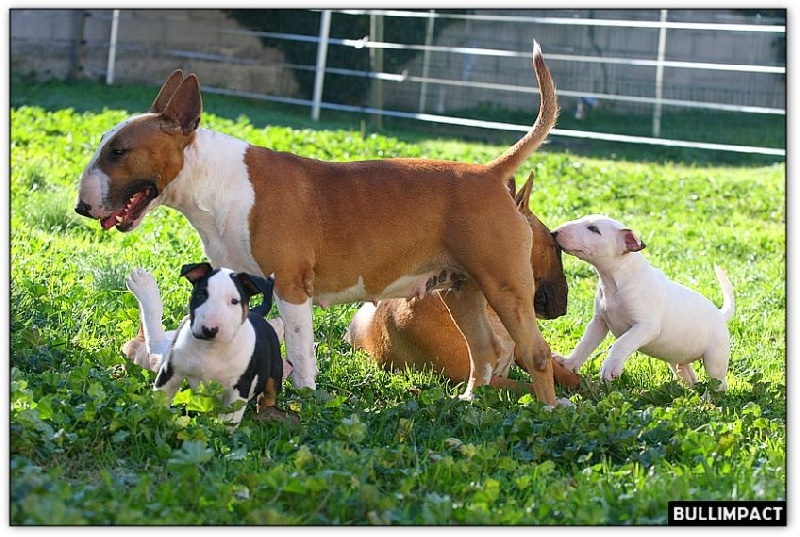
<point x="235" y="301"/>
<point x="593" y="229"/>
<point x="117" y="152"/>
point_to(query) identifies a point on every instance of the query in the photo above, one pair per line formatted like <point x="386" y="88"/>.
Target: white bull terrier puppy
<point x="644" y="309"/>
<point x="221" y="339"/>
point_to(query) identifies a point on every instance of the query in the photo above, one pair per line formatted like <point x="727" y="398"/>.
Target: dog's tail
<point x="506" y="164"/>
<point x="728" y="305"/>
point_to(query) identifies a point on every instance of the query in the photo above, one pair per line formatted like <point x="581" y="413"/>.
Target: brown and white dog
<point x="419" y="333"/>
<point x="332" y="232"/>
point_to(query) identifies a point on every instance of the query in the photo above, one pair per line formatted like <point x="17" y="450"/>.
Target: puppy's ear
<point x="632" y="242"/>
<point x="255" y="285"/>
<point x="195" y="271"/>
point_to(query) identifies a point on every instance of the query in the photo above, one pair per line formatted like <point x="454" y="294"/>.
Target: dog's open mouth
<point x="125" y="218"/>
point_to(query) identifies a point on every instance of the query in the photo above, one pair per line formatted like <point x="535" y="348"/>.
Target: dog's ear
<point x="255" y="285"/>
<point x="632" y="242"/>
<point x="512" y="187"/>
<point x="185" y="106"/>
<point x="523" y="197"/>
<point x="195" y="271"/>
<point x="169" y="87"/>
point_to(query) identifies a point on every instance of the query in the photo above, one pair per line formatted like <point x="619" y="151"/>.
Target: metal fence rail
<point x="470" y="54"/>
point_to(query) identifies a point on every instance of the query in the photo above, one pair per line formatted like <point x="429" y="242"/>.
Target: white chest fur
<point x="214" y="192"/>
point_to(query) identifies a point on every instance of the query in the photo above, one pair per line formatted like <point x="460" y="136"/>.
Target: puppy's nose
<point x="83" y="208"/>
<point x="210" y="332"/>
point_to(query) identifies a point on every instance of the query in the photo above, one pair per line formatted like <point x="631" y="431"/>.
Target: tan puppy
<point x="419" y="333"/>
<point x="333" y="232"/>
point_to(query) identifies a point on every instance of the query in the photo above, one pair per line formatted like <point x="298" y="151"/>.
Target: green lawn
<point x="91" y="443"/>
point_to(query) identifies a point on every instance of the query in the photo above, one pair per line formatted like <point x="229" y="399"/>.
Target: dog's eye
<point x="235" y="301"/>
<point x="117" y="152"/>
<point x="593" y="229"/>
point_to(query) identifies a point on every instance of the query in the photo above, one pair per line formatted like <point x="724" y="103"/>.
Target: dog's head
<point x="138" y="158"/>
<point x="596" y="239"/>
<point x="550" y="297"/>
<point x="220" y="301"/>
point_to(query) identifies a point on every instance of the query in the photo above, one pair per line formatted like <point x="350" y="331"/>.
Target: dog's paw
<point x="466" y="396"/>
<point x="561" y="401"/>
<point x="273" y="413"/>
<point x="143" y="285"/>
<point x="610" y="370"/>
<point x="569" y="364"/>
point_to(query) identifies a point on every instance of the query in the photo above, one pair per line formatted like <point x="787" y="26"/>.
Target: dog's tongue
<point x="111" y="220"/>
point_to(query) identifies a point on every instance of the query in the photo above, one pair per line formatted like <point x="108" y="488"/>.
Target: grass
<point x="697" y="126"/>
<point x="92" y="444"/>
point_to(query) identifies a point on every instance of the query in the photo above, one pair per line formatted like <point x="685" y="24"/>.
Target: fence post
<point x="112" y="48"/>
<point x="76" y="44"/>
<point x="376" y="65"/>
<point x="662" y="48"/>
<point x="322" y="56"/>
<point x="426" y="63"/>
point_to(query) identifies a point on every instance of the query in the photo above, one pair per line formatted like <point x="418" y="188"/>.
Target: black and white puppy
<point x="221" y="339"/>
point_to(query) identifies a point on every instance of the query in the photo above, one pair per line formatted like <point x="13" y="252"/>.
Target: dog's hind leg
<point x="482" y="344"/>
<point x="715" y="362"/>
<point x="506" y="279"/>
<point x="685" y="372"/>
<point x="517" y="315"/>
<point x="151" y="310"/>
<point x="513" y="303"/>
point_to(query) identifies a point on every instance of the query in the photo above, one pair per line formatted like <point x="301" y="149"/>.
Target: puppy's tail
<point x="506" y="164"/>
<point x="728" y="305"/>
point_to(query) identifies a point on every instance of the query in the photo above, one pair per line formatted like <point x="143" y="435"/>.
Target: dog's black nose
<point x="83" y="208"/>
<point x="210" y="332"/>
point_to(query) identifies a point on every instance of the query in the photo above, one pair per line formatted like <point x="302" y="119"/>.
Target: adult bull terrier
<point x="332" y="232"/>
<point x="419" y="333"/>
<point x="220" y="339"/>
<point x="643" y="308"/>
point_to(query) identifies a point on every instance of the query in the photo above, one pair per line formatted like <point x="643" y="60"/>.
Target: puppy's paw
<point x="570" y="364"/>
<point x="143" y="285"/>
<point x="610" y="370"/>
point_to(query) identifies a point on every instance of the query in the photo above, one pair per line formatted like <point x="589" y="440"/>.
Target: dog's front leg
<point x="594" y="334"/>
<point x="635" y="338"/>
<point x="232" y="419"/>
<point x="168" y="381"/>
<point x="298" y="334"/>
<point x="151" y="310"/>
